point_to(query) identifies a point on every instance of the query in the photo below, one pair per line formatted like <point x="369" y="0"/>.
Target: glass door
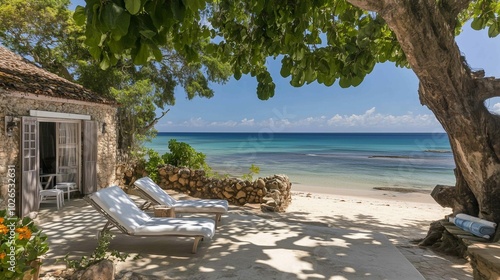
<point x="68" y="152"/>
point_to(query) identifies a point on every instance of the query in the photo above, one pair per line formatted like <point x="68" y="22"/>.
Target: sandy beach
<point x="402" y="217"/>
<point x="334" y="234"/>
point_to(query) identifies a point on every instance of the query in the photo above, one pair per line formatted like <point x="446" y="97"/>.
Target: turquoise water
<point x="330" y="160"/>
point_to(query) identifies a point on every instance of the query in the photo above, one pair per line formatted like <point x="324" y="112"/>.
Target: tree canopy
<point x="323" y="40"/>
<point x="45" y="32"/>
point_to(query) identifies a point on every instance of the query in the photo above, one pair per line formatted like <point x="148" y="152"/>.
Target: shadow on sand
<point x="246" y="246"/>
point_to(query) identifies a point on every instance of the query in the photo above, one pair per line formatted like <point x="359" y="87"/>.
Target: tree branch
<point x="455" y="6"/>
<point x="368" y="5"/>
<point x="451" y="8"/>
<point x="487" y="87"/>
<point x="155" y="121"/>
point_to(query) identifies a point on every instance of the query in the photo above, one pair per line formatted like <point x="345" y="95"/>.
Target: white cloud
<point x="370" y="120"/>
<point x="247" y="122"/>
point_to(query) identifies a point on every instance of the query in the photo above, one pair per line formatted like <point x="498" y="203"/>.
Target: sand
<point x="250" y="244"/>
<point x="402" y="217"/>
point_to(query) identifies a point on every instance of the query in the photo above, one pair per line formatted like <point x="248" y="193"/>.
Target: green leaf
<point x="477" y="23"/>
<point x="95" y="52"/>
<point x="105" y="63"/>
<point x="356" y="81"/>
<point x="178" y="9"/>
<point x="148" y="33"/>
<point x="286" y="67"/>
<point x="156" y="52"/>
<point x="122" y="25"/>
<point x="79" y="16"/>
<point x="344" y="82"/>
<point x="237" y="74"/>
<point x="133" y="6"/>
<point x="493" y="31"/>
<point x="142" y="55"/>
<point x="110" y="15"/>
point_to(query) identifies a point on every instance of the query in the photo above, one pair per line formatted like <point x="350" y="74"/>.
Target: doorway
<point x="59" y="148"/>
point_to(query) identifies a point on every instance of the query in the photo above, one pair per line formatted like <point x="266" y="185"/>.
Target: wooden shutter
<point x="89" y="157"/>
<point x="30" y="183"/>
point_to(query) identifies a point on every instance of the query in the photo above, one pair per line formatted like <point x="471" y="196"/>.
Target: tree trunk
<point x="425" y="30"/>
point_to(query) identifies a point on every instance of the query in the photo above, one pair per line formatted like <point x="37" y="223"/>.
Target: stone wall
<point x="272" y="193"/>
<point x="19" y="106"/>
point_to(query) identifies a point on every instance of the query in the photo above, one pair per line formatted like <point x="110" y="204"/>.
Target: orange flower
<point x="1" y="220"/>
<point x="2" y="255"/>
<point x="24" y="233"/>
<point x="3" y="229"/>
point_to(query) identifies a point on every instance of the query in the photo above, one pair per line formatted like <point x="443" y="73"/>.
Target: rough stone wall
<point x="20" y="106"/>
<point x="273" y="193"/>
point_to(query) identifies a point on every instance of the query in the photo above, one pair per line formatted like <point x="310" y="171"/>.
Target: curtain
<point x="68" y="151"/>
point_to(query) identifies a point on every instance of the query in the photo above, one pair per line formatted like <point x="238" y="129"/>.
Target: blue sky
<point x="386" y="101"/>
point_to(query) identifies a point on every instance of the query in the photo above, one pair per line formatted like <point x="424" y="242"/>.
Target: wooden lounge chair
<point x="150" y="191"/>
<point x="123" y="213"/>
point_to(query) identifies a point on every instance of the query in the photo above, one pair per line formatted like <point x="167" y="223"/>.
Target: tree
<point x="327" y="41"/>
<point x="44" y="31"/>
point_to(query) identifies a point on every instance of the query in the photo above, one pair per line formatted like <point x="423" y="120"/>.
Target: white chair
<point x="67" y="187"/>
<point x="114" y="204"/>
<point x="150" y="191"/>
<point x="51" y="196"/>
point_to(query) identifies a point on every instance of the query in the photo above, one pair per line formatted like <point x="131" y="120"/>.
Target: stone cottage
<point x="51" y="128"/>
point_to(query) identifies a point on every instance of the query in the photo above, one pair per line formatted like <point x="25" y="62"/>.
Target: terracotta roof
<point x="17" y="73"/>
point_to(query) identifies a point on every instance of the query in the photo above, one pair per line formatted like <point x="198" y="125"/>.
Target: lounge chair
<point x="150" y="191"/>
<point x="123" y="213"/>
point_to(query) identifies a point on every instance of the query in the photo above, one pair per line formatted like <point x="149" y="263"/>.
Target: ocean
<point x="327" y="160"/>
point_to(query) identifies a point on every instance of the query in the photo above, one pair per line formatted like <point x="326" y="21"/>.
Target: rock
<point x="242" y="201"/>
<point x="162" y="172"/>
<point x="241" y="194"/>
<point x="227" y="195"/>
<point x="184" y="173"/>
<point x="173" y="178"/>
<point x="260" y="183"/>
<point x="266" y="208"/>
<point x="103" y="270"/>
<point x="238" y="186"/>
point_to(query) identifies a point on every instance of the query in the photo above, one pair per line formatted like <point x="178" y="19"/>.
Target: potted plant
<point x="22" y="244"/>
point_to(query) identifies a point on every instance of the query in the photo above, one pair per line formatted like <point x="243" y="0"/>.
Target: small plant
<point x="21" y="244"/>
<point x="254" y="169"/>
<point x="100" y="253"/>
<point x="151" y="165"/>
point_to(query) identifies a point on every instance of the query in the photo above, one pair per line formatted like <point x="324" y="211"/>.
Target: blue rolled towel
<point x="476" y="228"/>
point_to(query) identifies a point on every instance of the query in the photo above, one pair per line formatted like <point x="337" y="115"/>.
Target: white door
<point x="30" y="184"/>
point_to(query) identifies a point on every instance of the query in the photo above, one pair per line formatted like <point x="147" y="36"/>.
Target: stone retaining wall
<point x="272" y="193"/>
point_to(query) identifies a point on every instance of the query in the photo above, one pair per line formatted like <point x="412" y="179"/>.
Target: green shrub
<point x="182" y="154"/>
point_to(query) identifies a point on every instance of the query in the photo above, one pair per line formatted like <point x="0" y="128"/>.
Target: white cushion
<point x="181" y="206"/>
<point x="184" y="227"/>
<point x="116" y="203"/>
<point x="201" y="206"/>
<point x="152" y="189"/>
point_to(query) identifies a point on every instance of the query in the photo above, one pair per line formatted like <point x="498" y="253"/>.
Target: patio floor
<point x="245" y="246"/>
